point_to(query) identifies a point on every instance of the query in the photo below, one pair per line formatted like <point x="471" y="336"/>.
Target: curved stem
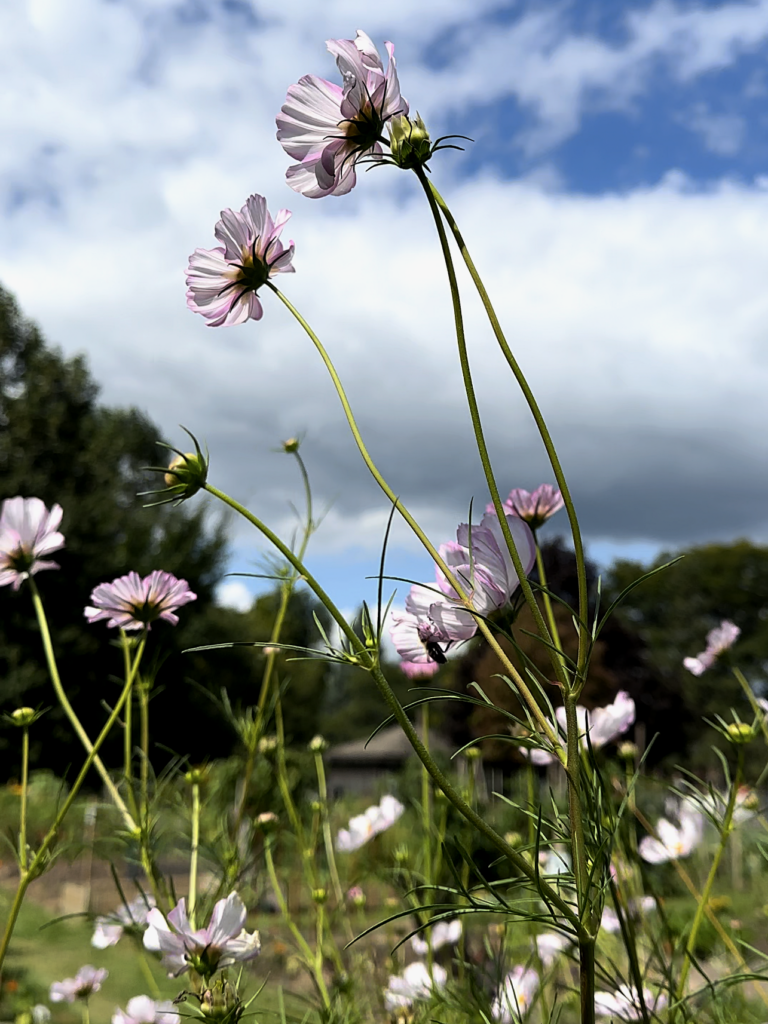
<point x="68" y="710"/>
<point x="558" y="665"/>
<point x="38" y="859"/>
<point x="554" y="460"/>
<point x="525" y="692"/>
<point x="548" y="610"/>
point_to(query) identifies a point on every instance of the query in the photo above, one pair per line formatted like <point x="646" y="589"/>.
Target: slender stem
<point x="302" y="943"/>
<point x="578" y="848"/>
<point x="193" y="853"/>
<point x="548" y="610"/>
<point x="145" y="970"/>
<point x="38" y="859"/>
<point x="364" y="659"/>
<point x="24" y="797"/>
<point x="548" y="894"/>
<point x="725" y="832"/>
<point x="330" y="854"/>
<point x="86" y="1013"/>
<point x="558" y="665"/>
<point x="536" y="712"/>
<point x="127" y="737"/>
<point x="74" y="720"/>
<point x="578" y="545"/>
<point x="144" y="774"/>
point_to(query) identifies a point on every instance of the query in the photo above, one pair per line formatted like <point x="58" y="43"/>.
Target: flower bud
<point x="195" y="776"/>
<point x="220" y="1003"/>
<point x="319" y="896"/>
<point x="291" y="445"/>
<point x="628" y="750"/>
<point x="315" y="806"/>
<point x="402" y="855"/>
<point x="356" y="896"/>
<point x="268" y="744"/>
<point x="473" y="753"/>
<point x="24" y="716"/>
<point x="267" y="821"/>
<point x="409" y="142"/>
<point x="513" y="839"/>
<point x="317" y="745"/>
<point x="186" y="474"/>
<point x="740" y="733"/>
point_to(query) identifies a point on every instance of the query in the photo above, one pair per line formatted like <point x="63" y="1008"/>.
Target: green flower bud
<point x="267" y="821"/>
<point x="513" y="839"/>
<point x="186" y="474"/>
<point x="291" y="445"/>
<point x="319" y="896"/>
<point x="628" y="750"/>
<point x="740" y="733"/>
<point x="402" y="855"/>
<point x="268" y="744"/>
<point x="473" y="753"/>
<point x="315" y="807"/>
<point x="220" y="1003"/>
<point x="24" y="716"/>
<point x="195" y="776"/>
<point x="317" y="745"/>
<point x="409" y="142"/>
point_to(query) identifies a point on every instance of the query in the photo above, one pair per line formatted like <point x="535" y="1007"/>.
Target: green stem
<point x="587" y="981"/>
<point x="24" y="797"/>
<point x="562" y="484"/>
<point x="558" y="665"/>
<point x="300" y="940"/>
<point x="39" y="857"/>
<point x="725" y="832"/>
<point x="74" y="720"/>
<point x="144" y="775"/>
<point x="365" y="661"/>
<point x="573" y="768"/>
<point x="127" y="737"/>
<point x="193" y="853"/>
<point x="536" y="712"/>
<point x="548" y="610"/>
<point x="330" y="854"/>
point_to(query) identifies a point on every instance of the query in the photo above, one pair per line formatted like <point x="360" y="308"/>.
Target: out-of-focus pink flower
<point x="444" y="933"/>
<point x="515" y="997"/>
<point x="356" y="896"/>
<point x="143" y="1010"/>
<point x="109" y="929"/>
<point x="550" y="945"/>
<point x="673" y="842"/>
<point x="329" y="128"/>
<point x="223" y="943"/>
<point x="624" y="1003"/>
<point x="222" y="283"/>
<point x="27" y="532"/>
<point x="416" y="638"/>
<point x="419" y="670"/>
<point x="719" y="639"/>
<point x="87" y="980"/>
<point x="534" y="507"/>
<point x="368" y="824"/>
<point x="603" y="725"/>
<point x="637" y="908"/>
<point x="414" y="983"/>
<point x="131" y="602"/>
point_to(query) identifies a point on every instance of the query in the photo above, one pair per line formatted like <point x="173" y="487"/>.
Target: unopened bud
<point x="220" y="1002"/>
<point x="513" y="839"/>
<point x="195" y="776"/>
<point x="319" y="896"/>
<point x="316" y="806"/>
<point x="473" y="753"/>
<point x="628" y="750"/>
<point x="24" y="716"/>
<point x="356" y="896"/>
<point x="267" y="744"/>
<point x="267" y="821"/>
<point x="291" y="445"/>
<point x="317" y="745"/>
<point x="740" y="733"/>
<point x="409" y="142"/>
<point x="186" y="474"/>
<point x="402" y="855"/>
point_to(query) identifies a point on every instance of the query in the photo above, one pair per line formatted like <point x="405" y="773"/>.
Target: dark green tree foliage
<point x="672" y="613"/>
<point x="57" y="443"/>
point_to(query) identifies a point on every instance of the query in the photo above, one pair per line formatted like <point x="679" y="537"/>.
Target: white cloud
<point x="234" y="594"/>
<point x="640" y="318"/>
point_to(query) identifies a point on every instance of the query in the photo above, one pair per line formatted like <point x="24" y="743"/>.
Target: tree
<point x="59" y="444"/>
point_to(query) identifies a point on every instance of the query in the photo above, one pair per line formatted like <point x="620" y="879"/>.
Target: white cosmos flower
<point x="515" y="997"/>
<point x="444" y="933"/>
<point x="414" y="983"/>
<point x="368" y="824"/>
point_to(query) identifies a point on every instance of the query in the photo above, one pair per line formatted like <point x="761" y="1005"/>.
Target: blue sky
<point x="615" y="198"/>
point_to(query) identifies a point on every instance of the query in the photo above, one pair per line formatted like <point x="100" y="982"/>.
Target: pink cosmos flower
<point x="223" y="943"/>
<point x="368" y="824"/>
<point x="535" y="508"/>
<point x="143" y="1010"/>
<point x="329" y="128"/>
<point x="673" y="842"/>
<point x="434" y="617"/>
<point x="131" y="602"/>
<point x="637" y="908"/>
<point x="222" y="283"/>
<point x="603" y="725"/>
<point x="109" y="929"/>
<point x="444" y="933"/>
<point x="624" y="1003"/>
<point x="416" y="982"/>
<point x="516" y="995"/>
<point x="719" y="639"/>
<point x="87" y="980"/>
<point x="549" y="946"/>
<point x="419" y="670"/>
<point x="27" y="531"/>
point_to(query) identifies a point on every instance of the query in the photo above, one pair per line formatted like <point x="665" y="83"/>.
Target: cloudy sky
<point x="615" y="198"/>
